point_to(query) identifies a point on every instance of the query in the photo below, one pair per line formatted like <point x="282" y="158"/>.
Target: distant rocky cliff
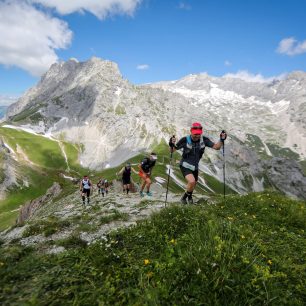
<point x="91" y="104"/>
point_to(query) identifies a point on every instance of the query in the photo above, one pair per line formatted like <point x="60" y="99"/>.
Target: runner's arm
<point x="120" y="171"/>
<point x="218" y="145"/>
<point x="134" y="170"/>
<point x="180" y="143"/>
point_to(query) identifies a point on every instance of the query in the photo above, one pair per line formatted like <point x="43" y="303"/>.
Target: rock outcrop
<point x="28" y="209"/>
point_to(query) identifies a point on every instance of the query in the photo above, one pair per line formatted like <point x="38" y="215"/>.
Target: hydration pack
<point x="86" y="184"/>
<point x="190" y="146"/>
<point x="127" y="171"/>
<point x="146" y="165"/>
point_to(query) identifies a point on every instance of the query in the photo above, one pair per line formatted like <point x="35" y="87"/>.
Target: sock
<point x="189" y="194"/>
<point x="102" y="194"/>
<point x="127" y="191"/>
<point x="87" y="200"/>
<point x="83" y="198"/>
<point x="184" y="197"/>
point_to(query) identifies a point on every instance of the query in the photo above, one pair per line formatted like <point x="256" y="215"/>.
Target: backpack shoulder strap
<point x="202" y="144"/>
<point x="188" y="138"/>
<point x="188" y="142"/>
<point x="145" y="161"/>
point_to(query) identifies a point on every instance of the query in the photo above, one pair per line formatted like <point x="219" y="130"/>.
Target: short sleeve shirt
<point x="192" y="156"/>
<point x="147" y="165"/>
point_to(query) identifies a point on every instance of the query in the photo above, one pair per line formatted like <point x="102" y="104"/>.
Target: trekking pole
<point x="170" y="164"/>
<point x="223" y="172"/>
<point x="223" y="166"/>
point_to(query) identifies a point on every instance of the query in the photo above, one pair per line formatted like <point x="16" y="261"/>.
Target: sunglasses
<point x="197" y="128"/>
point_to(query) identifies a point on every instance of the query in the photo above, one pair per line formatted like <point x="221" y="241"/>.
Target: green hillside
<point x="244" y="250"/>
<point x="247" y="250"/>
<point x="46" y="161"/>
<point x="40" y="150"/>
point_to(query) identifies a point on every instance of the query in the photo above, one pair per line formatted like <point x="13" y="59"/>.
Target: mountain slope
<point x="248" y="249"/>
<point x="29" y="166"/>
<point x="31" y="163"/>
<point x="91" y="105"/>
<point x="276" y="111"/>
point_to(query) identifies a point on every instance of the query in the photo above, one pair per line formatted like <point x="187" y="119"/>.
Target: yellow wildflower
<point x="149" y="274"/>
<point x="146" y="261"/>
<point x="270" y="262"/>
<point x="242" y="237"/>
<point x="172" y="241"/>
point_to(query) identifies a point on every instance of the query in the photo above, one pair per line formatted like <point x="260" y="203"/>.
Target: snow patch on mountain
<point x="175" y="178"/>
<point x="267" y="149"/>
<point x="203" y="183"/>
<point x="90" y="104"/>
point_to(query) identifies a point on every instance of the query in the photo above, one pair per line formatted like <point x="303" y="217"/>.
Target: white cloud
<point x="291" y="46"/>
<point x="184" y="6"/>
<point x="250" y="77"/>
<point x="143" y="67"/>
<point x="99" y="8"/>
<point x="30" y="37"/>
<point x="7" y="100"/>
<point x="227" y="63"/>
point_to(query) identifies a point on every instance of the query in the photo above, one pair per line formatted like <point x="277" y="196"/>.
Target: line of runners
<point x="193" y="147"/>
<point x="86" y="188"/>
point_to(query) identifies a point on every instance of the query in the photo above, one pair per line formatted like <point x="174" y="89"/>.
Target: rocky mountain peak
<point x="73" y="68"/>
<point x="297" y="75"/>
<point x="83" y="100"/>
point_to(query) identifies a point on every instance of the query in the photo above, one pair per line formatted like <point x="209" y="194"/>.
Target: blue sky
<point x="152" y="40"/>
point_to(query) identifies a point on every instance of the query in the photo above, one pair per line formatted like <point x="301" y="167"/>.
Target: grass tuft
<point x="247" y="250"/>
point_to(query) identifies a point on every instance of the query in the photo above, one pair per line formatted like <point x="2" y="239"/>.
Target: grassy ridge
<point x="40" y="182"/>
<point x="247" y="250"/>
<point x="42" y="151"/>
<point x="48" y="160"/>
